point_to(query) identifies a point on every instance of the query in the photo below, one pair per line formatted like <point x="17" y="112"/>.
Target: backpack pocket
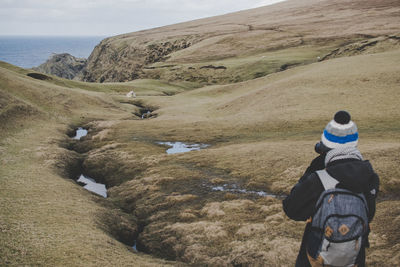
<point x="340" y="254"/>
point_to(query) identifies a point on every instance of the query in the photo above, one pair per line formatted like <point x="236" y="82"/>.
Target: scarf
<point x="342" y="153"/>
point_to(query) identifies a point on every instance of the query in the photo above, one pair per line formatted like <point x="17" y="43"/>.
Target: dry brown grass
<point x="50" y="221"/>
<point x="46" y="219"/>
<point x="261" y="133"/>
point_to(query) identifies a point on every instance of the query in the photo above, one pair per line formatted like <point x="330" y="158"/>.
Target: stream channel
<point x="87" y="182"/>
<point x="90" y="184"/>
<point x="175" y="147"/>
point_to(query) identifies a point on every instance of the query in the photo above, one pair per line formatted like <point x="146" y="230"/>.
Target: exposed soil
<point x="143" y="111"/>
<point x="368" y="46"/>
<point x="39" y="76"/>
<point x="213" y="67"/>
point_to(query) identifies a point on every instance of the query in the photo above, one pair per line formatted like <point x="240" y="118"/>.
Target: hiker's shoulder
<point x="367" y="164"/>
<point x="312" y="181"/>
<point x="349" y="166"/>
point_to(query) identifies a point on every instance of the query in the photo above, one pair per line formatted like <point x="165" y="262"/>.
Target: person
<point x="339" y="156"/>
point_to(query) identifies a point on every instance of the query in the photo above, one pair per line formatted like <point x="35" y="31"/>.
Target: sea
<point x="31" y="51"/>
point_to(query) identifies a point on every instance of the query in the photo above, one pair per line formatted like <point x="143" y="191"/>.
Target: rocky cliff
<point x="63" y="65"/>
<point x="124" y="61"/>
<point x="243" y="45"/>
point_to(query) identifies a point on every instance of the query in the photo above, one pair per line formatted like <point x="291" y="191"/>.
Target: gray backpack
<point x="339" y="226"/>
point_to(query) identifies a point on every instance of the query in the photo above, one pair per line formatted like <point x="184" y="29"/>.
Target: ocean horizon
<point x="31" y="51"/>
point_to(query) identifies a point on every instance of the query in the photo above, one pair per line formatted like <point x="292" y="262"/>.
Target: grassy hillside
<point x="220" y="206"/>
<point x="46" y="218"/>
<point x="245" y="45"/>
<point x="261" y="134"/>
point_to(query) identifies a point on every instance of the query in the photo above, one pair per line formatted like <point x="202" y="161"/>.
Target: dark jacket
<point x="352" y="174"/>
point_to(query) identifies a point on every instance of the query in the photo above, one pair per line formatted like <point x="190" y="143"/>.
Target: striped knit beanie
<point x="340" y="132"/>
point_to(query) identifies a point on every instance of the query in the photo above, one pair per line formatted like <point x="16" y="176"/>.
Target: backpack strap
<point x="327" y="181"/>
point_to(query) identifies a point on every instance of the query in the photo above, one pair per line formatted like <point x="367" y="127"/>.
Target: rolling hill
<point x="221" y="205"/>
<point x="243" y="45"/>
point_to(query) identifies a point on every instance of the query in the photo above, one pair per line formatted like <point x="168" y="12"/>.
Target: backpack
<point x="339" y="226"/>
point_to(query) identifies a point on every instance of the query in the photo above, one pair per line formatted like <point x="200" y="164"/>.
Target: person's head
<point x="341" y="132"/>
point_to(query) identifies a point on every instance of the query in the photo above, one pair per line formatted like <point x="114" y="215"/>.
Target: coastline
<point x="31" y="51"/>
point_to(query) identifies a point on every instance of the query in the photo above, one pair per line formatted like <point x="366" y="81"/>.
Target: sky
<point x="107" y="17"/>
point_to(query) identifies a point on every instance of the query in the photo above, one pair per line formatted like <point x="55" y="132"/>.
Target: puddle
<point x="131" y="94"/>
<point x="134" y="247"/>
<point x="146" y="114"/>
<point x="235" y="189"/>
<point x="91" y="185"/>
<point x="81" y="132"/>
<point x="179" y="147"/>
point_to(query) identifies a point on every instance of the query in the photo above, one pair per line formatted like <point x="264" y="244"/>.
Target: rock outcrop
<point x="63" y="65"/>
<point x="369" y="46"/>
<point x="126" y="61"/>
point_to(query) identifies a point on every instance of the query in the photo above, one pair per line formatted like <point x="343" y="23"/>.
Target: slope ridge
<point x="179" y="51"/>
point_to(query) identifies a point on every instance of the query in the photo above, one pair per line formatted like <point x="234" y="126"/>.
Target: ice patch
<point x="80" y="133"/>
<point x="179" y="147"/>
<point x="91" y="185"/>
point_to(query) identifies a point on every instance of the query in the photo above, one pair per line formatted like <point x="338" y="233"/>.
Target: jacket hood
<point x="354" y="175"/>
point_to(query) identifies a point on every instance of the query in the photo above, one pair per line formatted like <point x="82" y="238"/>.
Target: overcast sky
<point x="107" y="17"/>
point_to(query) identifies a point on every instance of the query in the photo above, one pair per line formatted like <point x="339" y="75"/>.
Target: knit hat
<point x="340" y="132"/>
